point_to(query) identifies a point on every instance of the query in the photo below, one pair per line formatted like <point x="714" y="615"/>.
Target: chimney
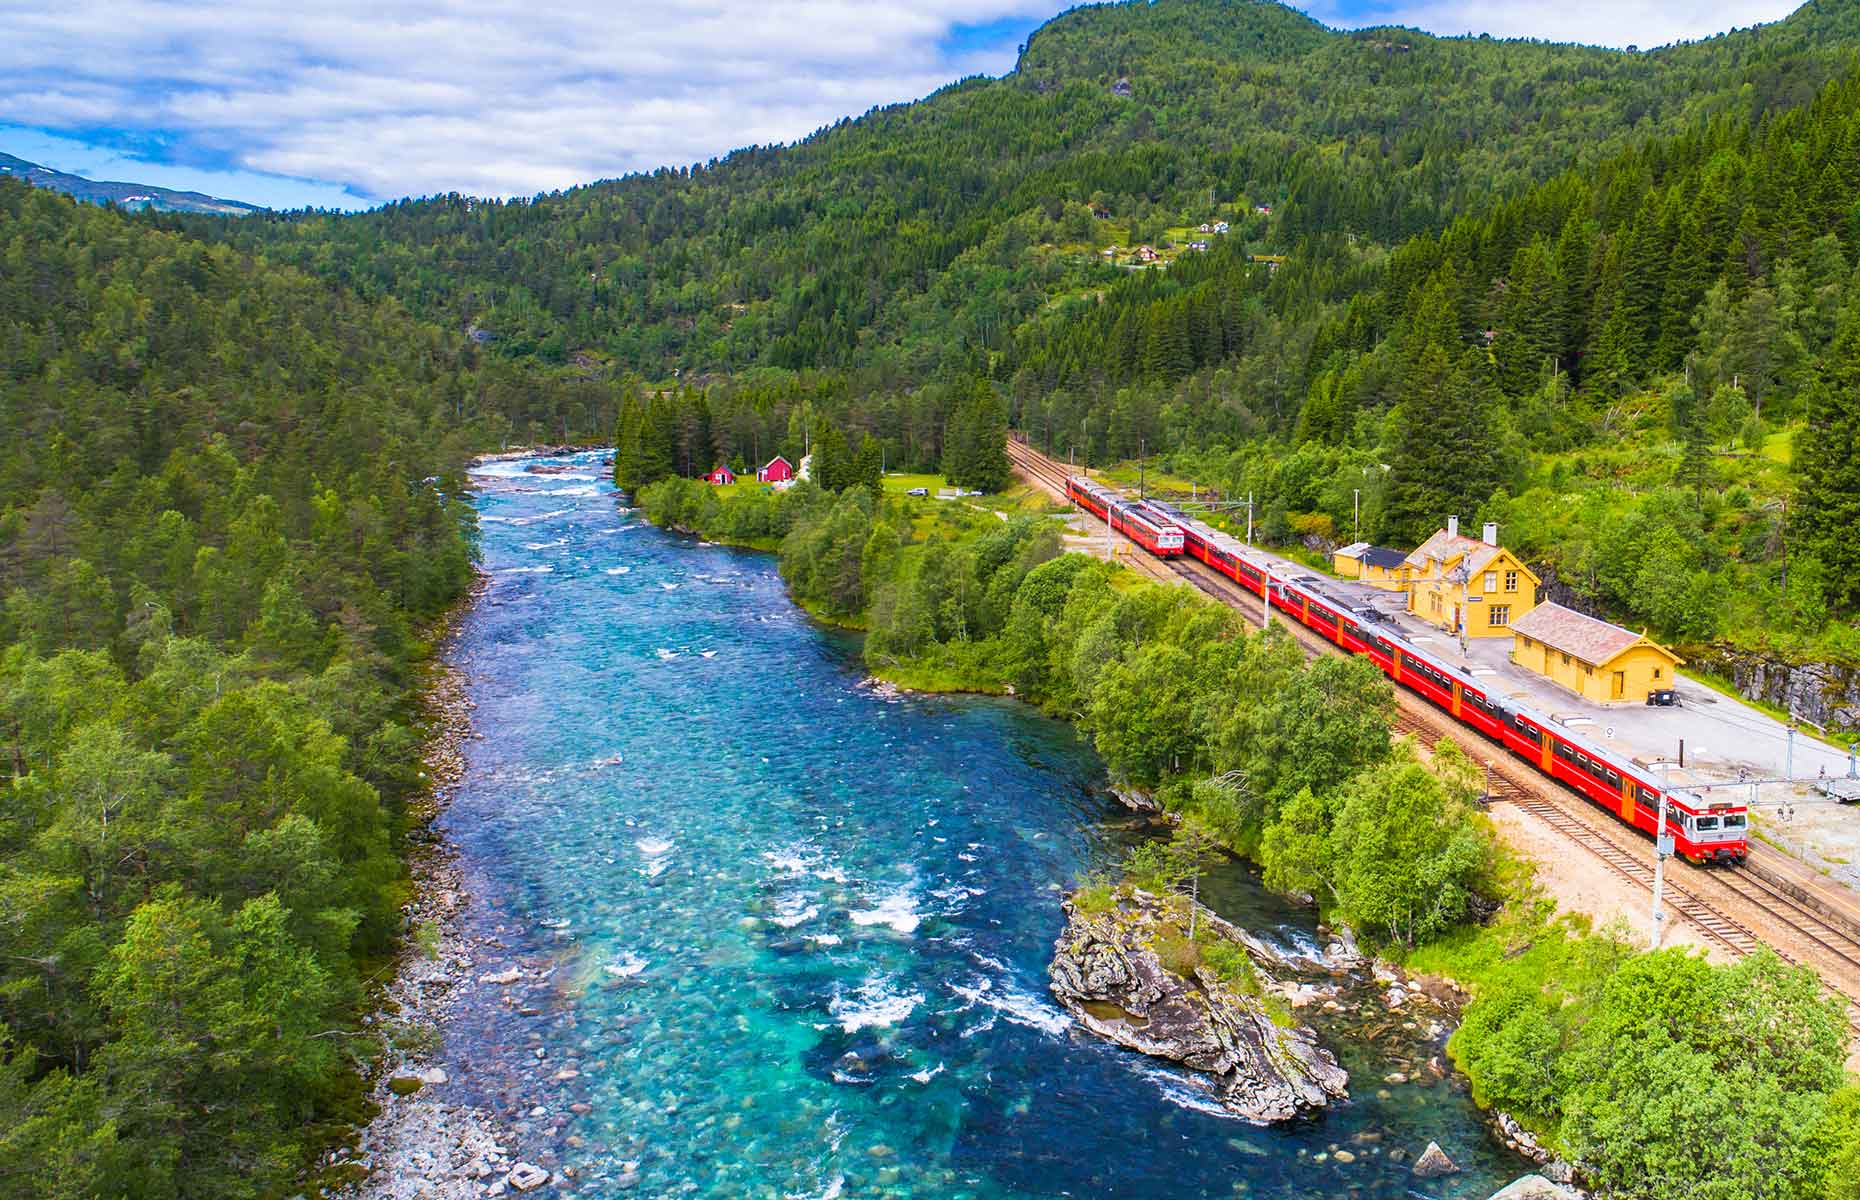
<point x="1491" y="533"/>
<point x="1453" y="527"/>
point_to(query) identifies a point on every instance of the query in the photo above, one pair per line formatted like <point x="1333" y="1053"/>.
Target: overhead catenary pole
<point x="1249" y="518"/>
<point x="1662" y="846"/>
<point x="1356" y="514"/>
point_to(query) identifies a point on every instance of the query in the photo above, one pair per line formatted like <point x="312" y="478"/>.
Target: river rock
<point x="1434" y="1163"/>
<point x="1107" y="974"/>
<point x="508" y="976"/>
<point x="1135" y="799"/>
<point x="527" y="1178"/>
<point x="1534" y="1187"/>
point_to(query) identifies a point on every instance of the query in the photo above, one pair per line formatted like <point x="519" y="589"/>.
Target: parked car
<point x="918" y="492"/>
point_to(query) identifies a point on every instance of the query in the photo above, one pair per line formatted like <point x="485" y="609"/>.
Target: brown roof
<point x="1444" y="547"/>
<point x="1594" y="642"/>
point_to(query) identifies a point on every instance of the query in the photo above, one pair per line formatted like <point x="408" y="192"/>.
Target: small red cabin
<point x="722" y="475"/>
<point x="779" y="470"/>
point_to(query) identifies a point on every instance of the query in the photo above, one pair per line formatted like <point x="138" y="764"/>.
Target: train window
<point x="1614" y="779"/>
<point x="1735" y="821"/>
<point x="1707" y="824"/>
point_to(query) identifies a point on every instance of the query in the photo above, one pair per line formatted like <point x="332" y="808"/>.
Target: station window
<point x="1491" y="581"/>
<point x="1500" y="614"/>
<point x="1511" y="581"/>
<point x="1656" y="672"/>
<point x="1566" y="660"/>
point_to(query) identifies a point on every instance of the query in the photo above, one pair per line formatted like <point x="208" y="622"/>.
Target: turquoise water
<point x="787" y="936"/>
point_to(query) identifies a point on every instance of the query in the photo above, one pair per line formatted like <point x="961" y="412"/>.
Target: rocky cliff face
<point x="1826" y="693"/>
<point x="1107" y="971"/>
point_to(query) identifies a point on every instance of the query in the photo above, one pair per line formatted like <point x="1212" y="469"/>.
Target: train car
<point x="1161" y="537"/>
<point x="1162" y="540"/>
<point x="1704" y="831"/>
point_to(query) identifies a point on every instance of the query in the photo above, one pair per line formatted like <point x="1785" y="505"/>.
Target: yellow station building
<point x="1374" y="565"/>
<point x="1468" y="585"/>
<point x="1594" y="659"/>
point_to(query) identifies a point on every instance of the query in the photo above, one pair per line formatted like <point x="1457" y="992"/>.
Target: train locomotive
<point x="1160" y="535"/>
<point x="1704" y="830"/>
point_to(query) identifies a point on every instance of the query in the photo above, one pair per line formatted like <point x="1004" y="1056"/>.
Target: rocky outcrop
<point x="1827" y="694"/>
<point x="1108" y="973"/>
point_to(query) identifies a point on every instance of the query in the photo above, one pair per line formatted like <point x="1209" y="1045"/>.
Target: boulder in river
<point x="1434" y="1163"/>
<point x="1127" y="971"/>
<point x="1534" y="1187"/>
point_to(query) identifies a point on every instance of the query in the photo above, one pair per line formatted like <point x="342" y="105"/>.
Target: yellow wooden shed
<point x="1592" y="658"/>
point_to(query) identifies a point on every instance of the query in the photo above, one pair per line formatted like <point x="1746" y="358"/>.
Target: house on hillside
<point x="1472" y="587"/>
<point x="1146" y="254"/>
<point x="1198" y="245"/>
<point x="1205" y="228"/>
<point x="1220" y="227"/>
<point x="722" y="476"/>
<point x="1264" y="210"/>
<point x="1592" y="658"/>
<point x="778" y="470"/>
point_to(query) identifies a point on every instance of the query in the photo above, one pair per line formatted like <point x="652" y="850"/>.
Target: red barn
<point x="779" y="470"/>
<point x="721" y="475"/>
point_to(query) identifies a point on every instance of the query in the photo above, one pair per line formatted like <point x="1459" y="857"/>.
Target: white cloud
<point x="494" y="97"/>
<point x="1619" y="23"/>
<point x="511" y="97"/>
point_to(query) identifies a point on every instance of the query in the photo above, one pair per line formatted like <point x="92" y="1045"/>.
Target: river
<point x="796" y="931"/>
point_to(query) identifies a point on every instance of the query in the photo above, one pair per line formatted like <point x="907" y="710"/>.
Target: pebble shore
<point x="421" y="1146"/>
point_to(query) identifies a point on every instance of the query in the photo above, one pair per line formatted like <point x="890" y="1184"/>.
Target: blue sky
<point x="346" y="103"/>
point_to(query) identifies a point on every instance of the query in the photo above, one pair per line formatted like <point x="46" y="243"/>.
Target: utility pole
<point x="1789" y="766"/>
<point x="1249" y="518"/>
<point x="1662" y="846"/>
<point x="1141" y="450"/>
<point x="1356" y="514"/>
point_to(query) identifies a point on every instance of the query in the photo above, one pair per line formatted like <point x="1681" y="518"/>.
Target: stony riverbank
<point x="421" y="1146"/>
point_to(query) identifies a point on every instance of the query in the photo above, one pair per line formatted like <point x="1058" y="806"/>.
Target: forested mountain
<point x="920" y="236"/>
<point x="229" y="498"/>
<point x="1561" y="287"/>
<point x="1625" y="349"/>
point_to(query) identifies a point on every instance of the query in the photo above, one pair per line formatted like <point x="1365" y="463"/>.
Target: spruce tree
<point x="1827" y="511"/>
<point x="868" y="465"/>
<point x="1448" y="458"/>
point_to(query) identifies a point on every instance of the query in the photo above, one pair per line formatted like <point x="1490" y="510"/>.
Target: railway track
<point x="1623" y="853"/>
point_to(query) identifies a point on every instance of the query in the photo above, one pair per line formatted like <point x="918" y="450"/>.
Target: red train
<point x="1161" y="536"/>
<point x="1704" y="831"/>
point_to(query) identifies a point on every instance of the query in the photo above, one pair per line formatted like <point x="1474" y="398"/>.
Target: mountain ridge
<point x="133" y="197"/>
